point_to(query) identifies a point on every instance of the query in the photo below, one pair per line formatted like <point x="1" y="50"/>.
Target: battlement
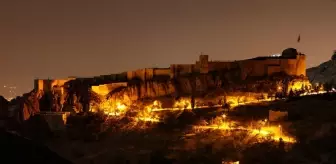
<point x="289" y="62"/>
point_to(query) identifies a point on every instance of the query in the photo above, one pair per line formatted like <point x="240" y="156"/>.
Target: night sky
<point x="61" y="38"/>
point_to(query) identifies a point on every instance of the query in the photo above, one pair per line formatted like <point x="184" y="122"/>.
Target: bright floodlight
<point x="276" y="55"/>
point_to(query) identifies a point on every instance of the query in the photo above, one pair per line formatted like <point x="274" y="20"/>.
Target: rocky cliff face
<point x="22" y="108"/>
<point x="323" y="73"/>
<point x="178" y="87"/>
<point x="204" y="85"/>
<point x="144" y="90"/>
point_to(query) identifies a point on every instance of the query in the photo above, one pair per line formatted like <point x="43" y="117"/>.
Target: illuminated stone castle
<point x="289" y="62"/>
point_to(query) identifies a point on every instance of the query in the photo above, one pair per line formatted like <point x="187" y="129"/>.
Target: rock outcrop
<point x="22" y="108"/>
<point x="78" y="95"/>
<point x="323" y="73"/>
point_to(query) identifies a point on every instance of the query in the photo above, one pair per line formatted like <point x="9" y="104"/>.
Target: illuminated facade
<point x="260" y="66"/>
<point x="289" y="62"/>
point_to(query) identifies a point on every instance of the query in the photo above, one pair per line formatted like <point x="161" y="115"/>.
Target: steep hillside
<point x="204" y="85"/>
<point x="3" y="107"/>
<point x="325" y="72"/>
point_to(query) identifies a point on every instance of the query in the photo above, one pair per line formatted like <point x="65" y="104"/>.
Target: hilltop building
<point x="289" y="62"/>
<point x="49" y="84"/>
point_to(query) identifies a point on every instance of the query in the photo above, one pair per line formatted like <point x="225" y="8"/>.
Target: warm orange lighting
<point x="270" y="131"/>
<point x="183" y="104"/>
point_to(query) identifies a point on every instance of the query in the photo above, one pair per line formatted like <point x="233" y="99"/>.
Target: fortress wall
<point x="270" y="66"/>
<point x="222" y="65"/>
<point x="203" y="63"/>
<point x="142" y="74"/>
<point x="148" y="73"/>
<point x="288" y="66"/>
<point x="271" y="69"/>
<point x="251" y="68"/>
<point x="38" y="84"/>
<point x="59" y="82"/>
<point x="162" y="72"/>
<point x="47" y="85"/>
<point x="301" y="65"/>
<point x="52" y="85"/>
<point x="179" y="69"/>
<point x="294" y="66"/>
<point x="267" y="67"/>
<point x="136" y="74"/>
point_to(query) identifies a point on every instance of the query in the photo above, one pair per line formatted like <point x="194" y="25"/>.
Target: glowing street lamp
<point x="279" y="88"/>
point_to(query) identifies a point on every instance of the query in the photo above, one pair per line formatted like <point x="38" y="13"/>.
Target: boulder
<point x="26" y="106"/>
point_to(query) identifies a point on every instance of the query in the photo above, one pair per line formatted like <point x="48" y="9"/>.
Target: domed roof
<point x="289" y="52"/>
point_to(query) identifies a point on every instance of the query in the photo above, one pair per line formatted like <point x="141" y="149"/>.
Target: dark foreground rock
<point x="17" y="149"/>
<point x="3" y="107"/>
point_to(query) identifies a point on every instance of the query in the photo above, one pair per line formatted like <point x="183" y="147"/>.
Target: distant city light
<point x="11" y="92"/>
<point x="276" y="55"/>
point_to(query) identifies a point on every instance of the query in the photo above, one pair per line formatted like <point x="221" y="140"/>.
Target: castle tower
<point x="301" y="65"/>
<point x="38" y="84"/>
<point x="204" y="63"/>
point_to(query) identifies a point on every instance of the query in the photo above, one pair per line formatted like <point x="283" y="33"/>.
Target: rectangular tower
<point x="204" y="63"/>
